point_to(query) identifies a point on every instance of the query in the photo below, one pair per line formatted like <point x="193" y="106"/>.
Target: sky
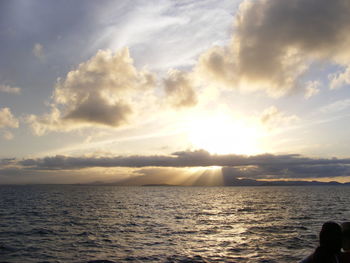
<point x="173" y="92"/>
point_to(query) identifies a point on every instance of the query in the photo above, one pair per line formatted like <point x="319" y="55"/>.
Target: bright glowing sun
<point x="222" y="135"/>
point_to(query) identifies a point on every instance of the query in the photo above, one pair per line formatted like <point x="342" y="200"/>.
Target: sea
<point x="89" y="223"/>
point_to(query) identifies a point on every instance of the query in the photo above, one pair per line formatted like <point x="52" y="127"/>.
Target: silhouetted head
<point x="346" y="236"/>
<point x="331" y="237"/>
<point x="330" y="243"/>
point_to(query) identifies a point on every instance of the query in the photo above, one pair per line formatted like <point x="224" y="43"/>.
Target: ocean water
<point x="76" y="223"/>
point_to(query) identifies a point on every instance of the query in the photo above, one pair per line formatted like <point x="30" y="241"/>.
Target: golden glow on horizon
<point x="221" y="134"/>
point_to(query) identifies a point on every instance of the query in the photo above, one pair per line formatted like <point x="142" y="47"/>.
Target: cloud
<point x="52" y="121"/>
<point x="104" y="90"/>
<point x="173" y="24"/>
<point x="178" y="159"/>
<point x="38" y="51"/>
<point x="254" y="167"/>
<point x="180" y="89"/>
<point x="295" y="171"/>
<point x="7" y="135"/>
<point x="336" y="106"/>
<point x="272" y="117"/>
<point x="218" y="66"/>
<point x="275" y="41"/>
<point x="9" y="89"/>
<point x="312" y="89"/>
<point x="7" y="120"/>
<point x="340" y="79"/>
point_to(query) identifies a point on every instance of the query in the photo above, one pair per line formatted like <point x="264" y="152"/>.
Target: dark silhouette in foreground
<point x="329" y="250"/>
<point x="345" y="256"/>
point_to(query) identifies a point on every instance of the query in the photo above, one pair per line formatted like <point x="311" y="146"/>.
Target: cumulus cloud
<point x="101" y="91"/>
<point x="272" y="117"/>
<point x="52" y="121"/>
<point x="9" y="89"/>
<point x="275" y="41"/>
<point x="311" y="89"/>
<point x="179" y="88"/>
<point x="38" y="51"/>
<point x="254" y="167"/>
<point x="218" y="66"/>
<point x="7" y="119"/>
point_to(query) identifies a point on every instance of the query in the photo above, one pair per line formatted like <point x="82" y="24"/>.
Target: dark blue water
<point x="67" y="223"/>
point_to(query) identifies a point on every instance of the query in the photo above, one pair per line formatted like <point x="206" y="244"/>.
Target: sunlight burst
<point x="221" y="134"/>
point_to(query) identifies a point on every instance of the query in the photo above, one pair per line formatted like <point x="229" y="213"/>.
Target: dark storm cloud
<point x="258" y="166"/>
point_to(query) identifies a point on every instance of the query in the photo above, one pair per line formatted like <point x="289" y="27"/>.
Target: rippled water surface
<point x="72" y="223"/>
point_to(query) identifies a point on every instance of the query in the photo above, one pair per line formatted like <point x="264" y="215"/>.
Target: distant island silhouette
<point x="251" y="182"/>
<point x="232" y="181"/>
<point x="159" y="185"/>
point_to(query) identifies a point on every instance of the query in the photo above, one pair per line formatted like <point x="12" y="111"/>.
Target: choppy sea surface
<point x="76" y="223"/>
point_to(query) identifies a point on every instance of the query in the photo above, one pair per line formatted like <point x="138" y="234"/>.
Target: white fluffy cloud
<point x="311" y="89"/>
<point x="7" y="120"/>
<point x="104" y="90"/>
<point x="275" y="41"/>
<point x="340" y="79"/>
